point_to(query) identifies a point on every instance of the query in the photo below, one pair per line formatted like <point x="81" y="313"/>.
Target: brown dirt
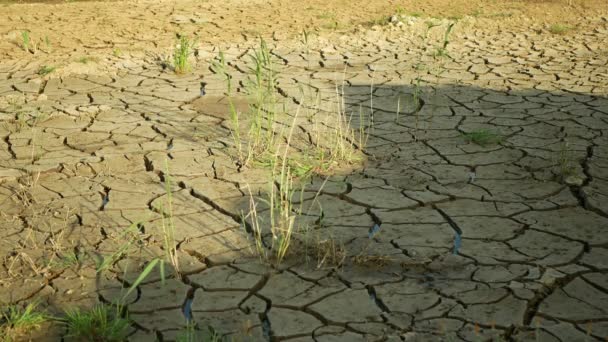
<point x="79" y="29"/>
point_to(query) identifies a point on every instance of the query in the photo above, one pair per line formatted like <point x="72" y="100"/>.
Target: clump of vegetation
<point x="88" y="59"/>
<point x="267" y="135"/>
<point x="182" y="52"/>
<point x="281" y="211"/>
<point x="25" y="40"/>
<point x="102" y="323"/>
<point x="483" y="137"/>
<point x="45" y="70"/>
<point x="18" y="322"/>
<point x="560" y="28"/>
<point x="565" y="162"/>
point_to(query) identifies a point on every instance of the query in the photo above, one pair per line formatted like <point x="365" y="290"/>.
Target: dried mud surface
<point x="86" y="150"/>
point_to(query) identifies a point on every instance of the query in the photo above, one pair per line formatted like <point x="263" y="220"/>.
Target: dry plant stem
<point x="168" y="225"/>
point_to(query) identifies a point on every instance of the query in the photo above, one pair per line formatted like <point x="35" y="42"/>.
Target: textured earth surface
<point x="92" y="153"/>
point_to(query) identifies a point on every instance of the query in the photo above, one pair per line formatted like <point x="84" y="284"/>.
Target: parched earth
<point x="92" y="154"/>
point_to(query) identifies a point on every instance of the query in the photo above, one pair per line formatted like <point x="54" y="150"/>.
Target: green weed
<point x="168" y="226"/>
<point x="102" y="323"/>
<point x="441" y="50"/>
<point x="25" y="40"/>
<point x="45" y="70"/>
<point x="88" y="59"/>
<point x="261" y="88"/>
<point x="483" y="137"/>
<point x="47" y="43"/>
<point x="565" y="161"/>
<point x="282" y="214"/>
<point x="19" y="321"/>
<point x="306" y="40"/>
<point x="219" y="66"/>
<point x="182" y="52"/>
<point x="131" y="237"/>
<point x="560" y="29"/>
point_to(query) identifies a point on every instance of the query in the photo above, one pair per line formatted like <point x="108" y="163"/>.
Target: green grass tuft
<point x="88" y="59"/>
<point x="25" y="40"/>
<point x="560" y="28"/>
<point x="181" y="54"/>
<point x="19" y="321"/>
<point x="45" y="70"/>
<point x="101" y="323"/>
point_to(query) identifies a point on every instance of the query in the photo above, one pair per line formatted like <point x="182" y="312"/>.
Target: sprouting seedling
<point x="305" y="36"/>
<point x="181" y="54"/>
<point x="25" y="38"/>
<point x="220" y="67"/>
<point x="45" y="70"/>
<point x="47" y="42"/>
<point x="429" y="25"/>
<point x="446" y="37"/>
<point x="442" y="50"/>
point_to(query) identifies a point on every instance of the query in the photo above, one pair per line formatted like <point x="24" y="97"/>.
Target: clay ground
<point x="103" y="146"/>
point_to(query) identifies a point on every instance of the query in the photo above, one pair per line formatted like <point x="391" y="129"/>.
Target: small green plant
<point x="560" y="28"/>
<point x="441" y="50"/>
<point x="182" y="52"/>
<point x="168" y="226"/>
<point x="45" y="70"/>
<point x="282" y="215"/>
<point x="220" y="67"/>
<point x="261" y="88"/>
<point x="66" y="260"/>
<point x="47" y="43"/>
<point x="25" y="40"/>
<point x="306" y="40"/>
<point x="565" y="161"/>
<point x="102" y="323"/>
<point x="429" y="25"/>
<point x="117" y="52"/>
<point x="331" y="25"/>
<point x="17" y="321"/>
<point x="191" y="334"/>
<point x="88" y="59"/>
<point x="483" y="137"/>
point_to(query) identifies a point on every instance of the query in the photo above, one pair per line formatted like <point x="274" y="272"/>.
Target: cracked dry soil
<point x="86" y="152"/>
